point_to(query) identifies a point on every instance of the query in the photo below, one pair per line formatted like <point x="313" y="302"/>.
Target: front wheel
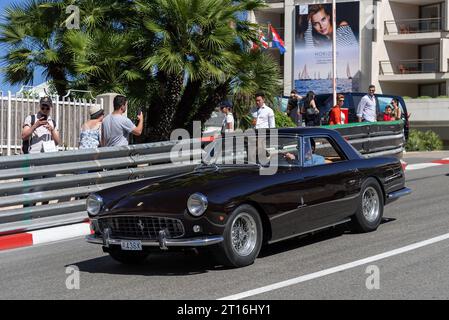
<point x="128" y="257"/>
<point x="242" y="238"/>
<point x="371" y="207"/>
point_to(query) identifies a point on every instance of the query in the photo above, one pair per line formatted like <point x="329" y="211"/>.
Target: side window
<point x="287" y="150"/>
<point x="383" y="102"/>
<point x="319" y="151"/>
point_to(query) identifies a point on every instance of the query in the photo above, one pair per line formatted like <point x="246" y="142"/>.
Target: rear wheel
<point x="128" y="257"/>
<point x="371" y="206"/>
<point x="242" y="238"/>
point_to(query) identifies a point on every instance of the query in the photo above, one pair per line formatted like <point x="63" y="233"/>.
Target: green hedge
<point x="283" y="120"/>
<point x="423" y="141"/>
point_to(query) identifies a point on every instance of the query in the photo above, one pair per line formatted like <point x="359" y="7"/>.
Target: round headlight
<point x="197" y="204"/>
<point x="94" y="203"/>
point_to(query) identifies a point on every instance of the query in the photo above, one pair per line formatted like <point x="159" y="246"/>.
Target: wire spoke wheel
<point x="244" y="234"/>
<point x="370" y="204"/>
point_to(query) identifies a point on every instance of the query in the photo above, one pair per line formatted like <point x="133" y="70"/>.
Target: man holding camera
<point x="40" y="134"/>
<point x="39" y="131"/>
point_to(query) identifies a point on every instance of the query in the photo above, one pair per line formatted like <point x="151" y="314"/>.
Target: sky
<point x="38" y="79"/>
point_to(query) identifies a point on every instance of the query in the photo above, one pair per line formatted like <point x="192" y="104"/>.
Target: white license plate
<point x="131" y="245"/>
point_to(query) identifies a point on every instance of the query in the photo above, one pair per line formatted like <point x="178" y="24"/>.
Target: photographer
<point x="40" y="134"/>
<point x="116" y="127"/>
<point x="39" y="131"/>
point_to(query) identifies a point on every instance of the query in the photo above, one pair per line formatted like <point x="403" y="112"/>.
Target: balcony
<point x="414" y="71"/>
<point x="418" y="31"/>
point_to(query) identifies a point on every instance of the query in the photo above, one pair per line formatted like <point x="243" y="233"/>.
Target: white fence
<point x="69" y="114"/>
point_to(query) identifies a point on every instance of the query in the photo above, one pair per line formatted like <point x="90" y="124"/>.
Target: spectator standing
<point x="90" y="136"/>
<point x="366" y="110"/>
<point x="40" y="134"/>
<point x="396" y="109"/>
<point x="310" y="110"/>
<point x="39" y="131"/>
<point x="335" y="113"/>
<point x="293" y="109"/>
<point x="116" y="127"/>
<point x="228" y="121"/>
<point x="263" y="116"/>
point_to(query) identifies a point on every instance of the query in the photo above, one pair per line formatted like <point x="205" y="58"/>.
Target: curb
<point x="31" y="238"/>
<point x="434" y="163"/>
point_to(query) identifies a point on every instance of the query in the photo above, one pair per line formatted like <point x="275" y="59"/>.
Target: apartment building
<point x="404" y="44"/>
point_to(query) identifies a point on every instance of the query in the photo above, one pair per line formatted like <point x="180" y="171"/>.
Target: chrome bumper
<point x="162" y="243"/>
<point x="399" y="193"/>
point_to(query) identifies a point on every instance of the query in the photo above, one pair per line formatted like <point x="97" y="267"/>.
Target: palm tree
<point x="258" y="72"/>
<point x="197" y="47"/>
<point x="32" y="35"/>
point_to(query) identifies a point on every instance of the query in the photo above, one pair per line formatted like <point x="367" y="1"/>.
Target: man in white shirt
<point x="263" y="116"/>
<point x="366" y="110"/>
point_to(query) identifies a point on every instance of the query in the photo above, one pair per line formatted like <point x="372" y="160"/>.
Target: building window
<point x="430" y="16"/>
<point x="432" y="89"/>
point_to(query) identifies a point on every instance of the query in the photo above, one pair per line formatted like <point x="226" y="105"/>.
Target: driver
<point x="311" y="158"/>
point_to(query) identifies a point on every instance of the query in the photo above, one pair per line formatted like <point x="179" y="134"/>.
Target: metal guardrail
<point x="63" y="179"/>
<point x="375" y="139"/>
<point x="66" y="177"/>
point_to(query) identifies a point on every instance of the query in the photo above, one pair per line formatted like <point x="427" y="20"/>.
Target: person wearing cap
<point x="40" y="134"/>
<point x="39" y="131"/>
<point x="228" y="121"/>
<point x="90" y="135"/>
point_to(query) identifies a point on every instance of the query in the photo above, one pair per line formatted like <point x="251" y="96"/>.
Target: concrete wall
<point x="430" y="114"/>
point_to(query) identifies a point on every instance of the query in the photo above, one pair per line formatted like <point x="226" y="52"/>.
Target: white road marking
<point x="418" y="166"/>
<point x="336" y="269"/>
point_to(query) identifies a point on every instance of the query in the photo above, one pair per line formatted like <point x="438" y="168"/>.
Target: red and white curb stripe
<point x="435" y="163"/>
<point x="31" y="238"/>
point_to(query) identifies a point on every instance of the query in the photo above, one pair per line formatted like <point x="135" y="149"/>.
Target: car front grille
<point x="145" y="228"/>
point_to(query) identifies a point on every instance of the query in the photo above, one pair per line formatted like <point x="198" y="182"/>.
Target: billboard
<point x="313" y="48"/>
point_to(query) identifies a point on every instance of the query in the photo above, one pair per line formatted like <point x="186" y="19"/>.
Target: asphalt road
<point x="39" y="272"/>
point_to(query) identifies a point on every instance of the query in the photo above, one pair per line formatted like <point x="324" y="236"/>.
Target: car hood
<point x="170" y="195"/>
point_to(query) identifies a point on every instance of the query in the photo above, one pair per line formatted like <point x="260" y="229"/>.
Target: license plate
<point x="131" y="245"/>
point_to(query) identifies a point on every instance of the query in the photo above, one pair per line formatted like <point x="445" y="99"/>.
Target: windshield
<point x="253" y="150"/>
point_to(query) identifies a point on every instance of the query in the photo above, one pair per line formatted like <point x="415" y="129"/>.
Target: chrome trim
<point x="399" y="193"/>
<point x="309" y="231"/>
<point x="140" y="215"/>
<point x="190" y="242"/>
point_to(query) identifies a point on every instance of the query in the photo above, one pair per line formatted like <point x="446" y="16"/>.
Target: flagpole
<point x="334" y="51"/>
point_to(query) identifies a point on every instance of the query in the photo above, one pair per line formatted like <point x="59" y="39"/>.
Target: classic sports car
<point x="233" y="203"/>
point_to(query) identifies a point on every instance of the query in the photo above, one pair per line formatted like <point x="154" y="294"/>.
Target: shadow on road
<point x="190" y="262"/>
<point x="305" y="240"/>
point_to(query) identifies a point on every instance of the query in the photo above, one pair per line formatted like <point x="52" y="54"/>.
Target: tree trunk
<point x="57" y="74"/>
<point x="187" y="107"/>
<point x="161" y="124"/>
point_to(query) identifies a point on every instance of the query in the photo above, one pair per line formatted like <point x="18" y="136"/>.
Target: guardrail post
<point x="8" y="125"/>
